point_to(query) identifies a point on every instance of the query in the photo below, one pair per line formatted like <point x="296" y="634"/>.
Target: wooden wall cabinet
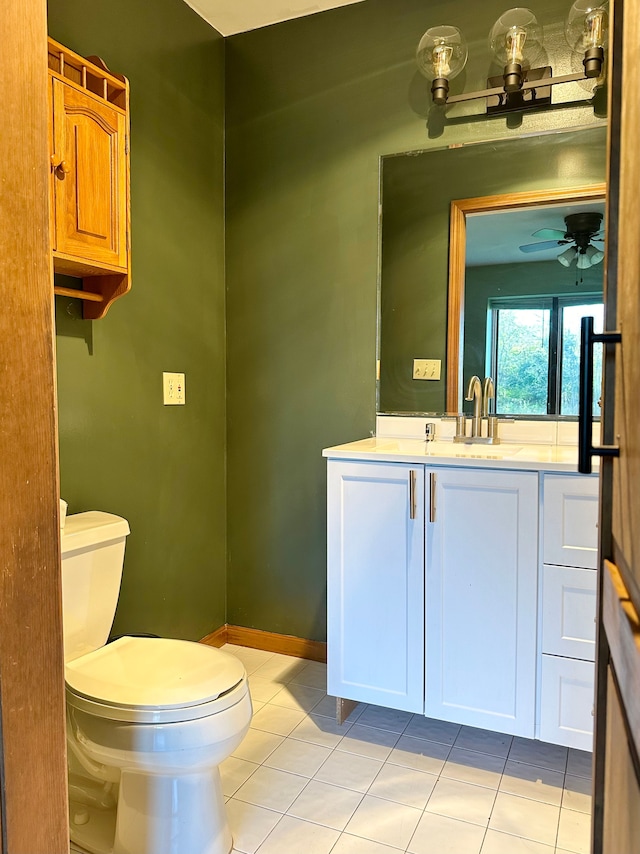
<point x="89" y="184"/>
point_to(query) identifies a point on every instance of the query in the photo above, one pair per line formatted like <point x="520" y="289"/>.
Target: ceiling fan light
<point x="594" y="254"/>
<point x="584" y="262"/>
<point x="566" y="257"/>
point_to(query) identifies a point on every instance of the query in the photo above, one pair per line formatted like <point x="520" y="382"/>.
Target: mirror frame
<point x="459" y="210"/>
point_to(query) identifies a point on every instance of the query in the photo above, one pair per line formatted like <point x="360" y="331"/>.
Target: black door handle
<point x="586" y="449"/>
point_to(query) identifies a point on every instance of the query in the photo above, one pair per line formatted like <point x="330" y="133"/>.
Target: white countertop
<point x="506" y="455"/>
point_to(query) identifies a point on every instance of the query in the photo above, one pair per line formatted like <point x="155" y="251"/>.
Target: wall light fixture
<point x="516" y="39"/>
<point x="441" y="56"/>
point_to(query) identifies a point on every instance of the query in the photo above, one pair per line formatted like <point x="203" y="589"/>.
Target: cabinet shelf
<point x="77" y="294"/>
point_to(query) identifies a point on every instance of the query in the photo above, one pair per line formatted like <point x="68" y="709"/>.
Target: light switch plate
<point x="173" y="389"/>
<point x="426" y="369"/>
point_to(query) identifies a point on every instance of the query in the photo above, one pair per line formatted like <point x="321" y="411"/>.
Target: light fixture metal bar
<point x="528" y="84"/>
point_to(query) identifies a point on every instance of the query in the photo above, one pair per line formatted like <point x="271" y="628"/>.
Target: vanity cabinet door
<point x="566" y="702"/>
<point x="375" y="544"/>
<point x="570" y="523"/>
<point x="481" y="598"/>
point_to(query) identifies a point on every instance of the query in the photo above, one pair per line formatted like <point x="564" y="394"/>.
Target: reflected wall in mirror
<point x="417" y="189"/>
<point x="523" y="270"/>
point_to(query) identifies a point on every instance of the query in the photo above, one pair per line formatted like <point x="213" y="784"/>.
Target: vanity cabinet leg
<point x="344" y="709"/>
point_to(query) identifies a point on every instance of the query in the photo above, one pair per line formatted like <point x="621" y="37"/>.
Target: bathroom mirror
<point x="425" y="310"/>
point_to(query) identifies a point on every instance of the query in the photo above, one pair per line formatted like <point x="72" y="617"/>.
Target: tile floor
<point x="389" y="781"/>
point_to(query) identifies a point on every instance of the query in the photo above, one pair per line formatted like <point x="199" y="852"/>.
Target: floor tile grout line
<point x="385" y="762"/>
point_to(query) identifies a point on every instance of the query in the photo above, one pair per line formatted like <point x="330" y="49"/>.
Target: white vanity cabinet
<point x="481" y="598"/>
<point x="375" y="583"/>
<point x="569" y="551"/>
<point x="480" y="533"/>
<point x="462" y="585"/>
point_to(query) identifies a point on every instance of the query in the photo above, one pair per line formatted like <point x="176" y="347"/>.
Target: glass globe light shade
<point x="516" y="38"/>
<point x="566" y="257"/>
<point x="587" y="25"/>
<point x="442" y="53"/>
<point x="586" y="31"/>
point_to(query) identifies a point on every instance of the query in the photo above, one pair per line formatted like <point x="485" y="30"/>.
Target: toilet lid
<point x="147" y="673"/>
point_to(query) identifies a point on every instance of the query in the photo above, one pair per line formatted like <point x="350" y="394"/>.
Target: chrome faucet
<point x="474" y="393"/>
<point x="488" y="394"/>
<point x="489" y="411"/>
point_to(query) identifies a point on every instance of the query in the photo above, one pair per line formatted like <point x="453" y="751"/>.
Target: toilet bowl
<point x="148" y="719"/>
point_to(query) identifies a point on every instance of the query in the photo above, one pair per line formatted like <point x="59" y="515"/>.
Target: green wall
<point x="311" y="106"/>
<point x="121" y="450"/>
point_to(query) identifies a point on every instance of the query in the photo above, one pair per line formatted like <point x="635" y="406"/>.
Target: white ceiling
<point x="237" y="16"/>
<point x="494" y="238"/>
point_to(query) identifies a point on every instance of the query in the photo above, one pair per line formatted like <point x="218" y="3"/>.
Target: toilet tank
<point x="92" y="546"/>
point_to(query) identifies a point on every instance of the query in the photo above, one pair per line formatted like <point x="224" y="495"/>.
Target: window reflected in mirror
<point x="530" y="276"/>
<point x="533" y="353"/>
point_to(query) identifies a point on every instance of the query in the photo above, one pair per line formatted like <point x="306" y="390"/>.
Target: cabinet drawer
<point x="567" y="698"/>
<point x="569" y="611"/>
<point x="570" y="519"/>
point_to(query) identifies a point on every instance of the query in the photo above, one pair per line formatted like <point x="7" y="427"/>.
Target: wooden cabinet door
<point x="375" y="546"/>
<point x="90" y="177"/>
<point x="481" y="591"/>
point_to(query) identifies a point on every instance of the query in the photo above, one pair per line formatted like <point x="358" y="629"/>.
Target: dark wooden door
<point x="616" y="826"/>
<point x="33" y="779"/>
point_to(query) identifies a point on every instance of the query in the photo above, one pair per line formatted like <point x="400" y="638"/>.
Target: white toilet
<point x="148" y="719"/>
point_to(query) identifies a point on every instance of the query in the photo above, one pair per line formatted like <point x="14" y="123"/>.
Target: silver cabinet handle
<point x="432" y="497"/>
<point x="412" y="494"/>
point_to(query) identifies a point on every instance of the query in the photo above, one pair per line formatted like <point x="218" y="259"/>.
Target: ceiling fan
<point x="582" y="229"/>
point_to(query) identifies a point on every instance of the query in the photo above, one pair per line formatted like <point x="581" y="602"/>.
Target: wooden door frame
<point x="33" y="803"/>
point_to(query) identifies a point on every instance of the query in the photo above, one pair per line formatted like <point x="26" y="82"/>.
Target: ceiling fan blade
<point x="545" y="244"/>
<point x="549" y="233"/>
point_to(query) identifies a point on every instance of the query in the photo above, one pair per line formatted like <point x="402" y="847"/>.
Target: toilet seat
<point x="154" y="680"/>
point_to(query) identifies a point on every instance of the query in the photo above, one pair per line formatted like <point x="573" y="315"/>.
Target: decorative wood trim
<point x="455" y="310"/>
<point x="217" y="638"/>
<point x="622" y="626"/>
<point x="268" y="641"/>
<point x="460" y="209"/>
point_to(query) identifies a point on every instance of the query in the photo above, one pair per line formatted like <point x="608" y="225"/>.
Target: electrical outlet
<point x="173" y="389"/>
<point x="426" y="369"/>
